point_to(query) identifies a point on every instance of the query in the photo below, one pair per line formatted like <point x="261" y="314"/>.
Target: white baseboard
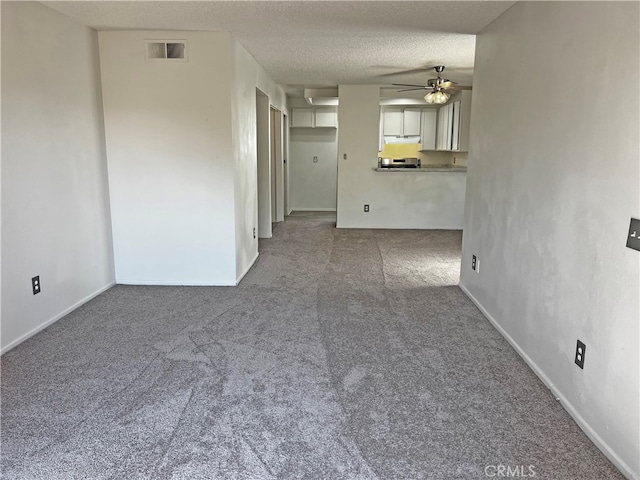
<point x="626" y="470"/>
<point x="312" y="210"/>
<point x="55" y="318"/>
<point x="161" y="283"/>
<point x="246" y="270"/>
<point x="377" y="226"/>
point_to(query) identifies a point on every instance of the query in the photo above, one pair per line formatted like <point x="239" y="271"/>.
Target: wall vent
<point x="166" y="50"/>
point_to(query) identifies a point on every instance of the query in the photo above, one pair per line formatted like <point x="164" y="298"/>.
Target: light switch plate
<point x="633" y="239"/>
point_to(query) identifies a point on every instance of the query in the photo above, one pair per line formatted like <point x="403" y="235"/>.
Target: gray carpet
<point x="342" y="354"/>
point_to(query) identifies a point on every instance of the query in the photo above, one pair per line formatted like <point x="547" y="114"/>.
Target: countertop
<point x="425" y="169"/>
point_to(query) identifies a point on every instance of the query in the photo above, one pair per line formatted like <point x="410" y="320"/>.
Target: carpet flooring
<point x="343" y="354"/>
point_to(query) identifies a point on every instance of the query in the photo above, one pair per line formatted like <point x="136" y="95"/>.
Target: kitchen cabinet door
<point x="392" y="119"/>
<point x="465" y="121"/>
<point x="302" y="117"/>
<point x="314" y="117"/>
<point x="448" y="126"/>
<point x="401" y="122"/>
<point x="455" y="126"/>
<point x="326" y="117"/>
<point x="439" y="129"/>
<point x="444" y="128"/>
<point x="411" y="121"/>
<point x="428" y="129"/>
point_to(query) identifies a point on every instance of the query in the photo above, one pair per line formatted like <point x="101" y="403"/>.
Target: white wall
<point x="397" y="199"/>
<point x="313" y="185"/>
<point x="55" y="204"/>
<point x="358" y="117"/>
<point x="171" y="160"/>
<point x="552" y="183"/>
<point x="247" y="76"/>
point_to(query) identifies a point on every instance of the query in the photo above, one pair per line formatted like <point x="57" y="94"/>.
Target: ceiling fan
<point x="437" y="87"/>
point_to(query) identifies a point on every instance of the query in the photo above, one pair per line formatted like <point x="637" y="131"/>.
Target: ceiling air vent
<point x="166" y="50"/>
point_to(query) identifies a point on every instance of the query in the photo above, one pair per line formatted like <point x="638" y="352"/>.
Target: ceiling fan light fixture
<point x="438" y="97"/>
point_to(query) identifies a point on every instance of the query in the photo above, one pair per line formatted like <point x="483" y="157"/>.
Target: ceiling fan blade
<point x="458" y="87"/>
<point x="448" y="84"/>
<point x="410" y="89"/>
<point x="407" y="85"/>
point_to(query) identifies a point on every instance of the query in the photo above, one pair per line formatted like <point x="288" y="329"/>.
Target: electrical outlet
<point x="633" y="239"/>
<point x="580" y="349"/>
<point x="254" y="232"/>
<point x="315" y="159"/>
<point x="475" y="264"/>
<point x="366" y="208"/>
<point x="35" y="284"/>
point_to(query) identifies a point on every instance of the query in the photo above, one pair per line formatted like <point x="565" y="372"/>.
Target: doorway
<point x="270" y="165"/>
<point x="277" y="166"/>
<point x="263" y="142"/>
<point x="285" y="162"/>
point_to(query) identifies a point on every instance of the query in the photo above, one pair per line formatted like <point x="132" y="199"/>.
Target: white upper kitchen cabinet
<point x="326" y="117"/>
<point x="314" y="117"/>
<point x="302" y="117"/>
<point x="465" y="120"/>
<point x="428" y="129"/>
<point x="411" y="121"/>
<point x="453" y="124"/>
<point x="392" y="122"/>
<point x="444" y="127"/>
<point x="400" y="122"/>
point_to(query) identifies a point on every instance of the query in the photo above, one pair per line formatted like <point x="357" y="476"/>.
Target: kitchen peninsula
<point x="429" y="197"/>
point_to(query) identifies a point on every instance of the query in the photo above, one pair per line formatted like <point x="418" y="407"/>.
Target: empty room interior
<point x="320" y="240"/>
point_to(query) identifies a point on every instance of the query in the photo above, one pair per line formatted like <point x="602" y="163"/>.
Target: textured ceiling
<point x="319" y="43"/>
